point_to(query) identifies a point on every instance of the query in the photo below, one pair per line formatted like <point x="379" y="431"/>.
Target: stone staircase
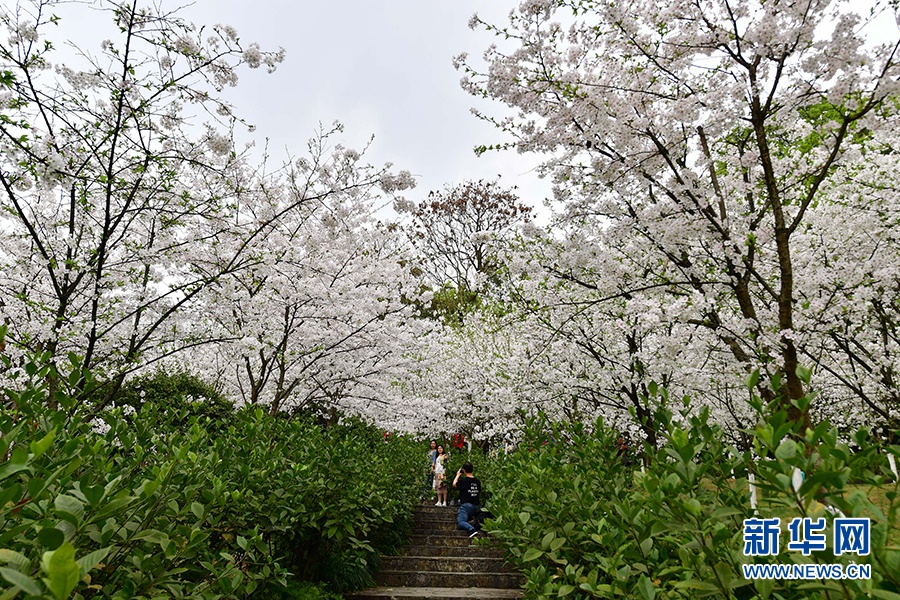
<point x="443" y="562"/>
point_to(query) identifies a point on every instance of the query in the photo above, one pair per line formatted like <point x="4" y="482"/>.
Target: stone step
<point x="461" y="551"/>
<point x="424" y="520"/>
<point x="424" y="525"/>
<point x="432" y="513"/>
<point x="446" y="538"/>
<point x="427" y="593"/>
<point x="436" y="510"/>
<point x="451" y="506"/>
<point x="389" y="578"/>
<point x="445" y="564"/>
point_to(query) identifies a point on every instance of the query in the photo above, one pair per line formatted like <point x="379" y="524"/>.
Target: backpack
<point x="481" y="516"/>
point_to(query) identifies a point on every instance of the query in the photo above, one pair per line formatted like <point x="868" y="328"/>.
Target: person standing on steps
<point x="469" y="488"/>
<point x="429" y="474"/>
<point x="440" y="481"/>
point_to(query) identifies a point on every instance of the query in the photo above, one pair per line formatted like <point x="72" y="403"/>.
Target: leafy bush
<point x="300" y="591"/>
<point x="142" y="508"/>
<point x="580" y="523"/>
<point x="177" y="393"/>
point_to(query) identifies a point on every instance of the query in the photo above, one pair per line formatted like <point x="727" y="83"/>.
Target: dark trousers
<point x="429" y="484"/>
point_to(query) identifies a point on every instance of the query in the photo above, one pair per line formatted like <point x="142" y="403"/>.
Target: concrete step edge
<point x="449" y="551"/>
<point x="437" y="559"/>
<point x="444" y="564"/>
<point x="424" y="593"/>
<point x="494" y="579"/>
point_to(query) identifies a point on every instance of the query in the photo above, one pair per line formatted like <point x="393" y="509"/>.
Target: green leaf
<point x="9" y="494"/>
<point x="93" y="493"/>
<point x="726" y="511"/>
<point x="705" y="587"/>
<point x="753" y="379"/>
<point x="786" y="449"/>
<point x="11" y="557"/>
<point x="197" y="509"/>
<point x="776" y="381"/>
<point x="524" y="517"/>
<point x="565" y="590"/>
<point x="114" y="506"/>
<point x="646" y="545"/>
<point x="545" y="543"/>
<point x="725" y="575"/>
<point x="7" y="79"/>
<point x="36" y="487"/>
<point x="531" y="554"/>
<point x="38" y="447"/>
<point x="804" y="374"/>
<point x="11" y="469"/>
<point x="150" y="535"/>
<point x="148" y="488"/>
<point x="51" y="538"/>
<point x="21" y="581"/>
<point x="62" y="571"/>
<point x="646" y="588"/>
<point x="69" y="505"/>
<point x="89" y="561"/>
<point x="764" y="587"/>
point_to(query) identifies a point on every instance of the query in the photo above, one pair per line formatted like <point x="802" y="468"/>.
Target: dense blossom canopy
<point x="132" y="237"/>
<point x="726" y="173"/>
<point x="726" y="182"/>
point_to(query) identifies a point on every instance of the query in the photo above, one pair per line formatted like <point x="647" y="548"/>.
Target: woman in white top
<point x="440" y="483"/>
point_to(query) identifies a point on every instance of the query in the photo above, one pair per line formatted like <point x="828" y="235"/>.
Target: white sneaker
<point x="437" y="503"/>
<point x="443" y="504"/>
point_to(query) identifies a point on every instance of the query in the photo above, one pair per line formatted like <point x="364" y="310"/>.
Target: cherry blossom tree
<point x="472" y="378"/>
<point x="619" y="351"/>
<point x="103" y="185"/>
<point x="458" y="235"/>
<point x="848" y="307"/>
<point x="322" y="321"/>
<point x="709" y="132"/>
<point x="127" y="208"/>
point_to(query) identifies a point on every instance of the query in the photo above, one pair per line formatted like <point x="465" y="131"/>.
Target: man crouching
<point x="469" y="488"/>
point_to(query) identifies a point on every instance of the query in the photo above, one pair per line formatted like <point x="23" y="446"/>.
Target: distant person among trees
<point x="623" y="448"/>
<point x="440" y="479"/>
<point x="429" y="474"/>
<point x="469" y="488"/>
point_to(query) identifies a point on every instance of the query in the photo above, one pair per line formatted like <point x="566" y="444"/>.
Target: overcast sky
<point x="381" y="68"/>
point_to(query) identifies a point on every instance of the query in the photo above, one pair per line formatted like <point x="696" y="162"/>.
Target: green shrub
<point x="150" y="508"/>
<point x="299" y="591"/>
<point x="581" y="524"/>
<point x="174" y="397"/>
